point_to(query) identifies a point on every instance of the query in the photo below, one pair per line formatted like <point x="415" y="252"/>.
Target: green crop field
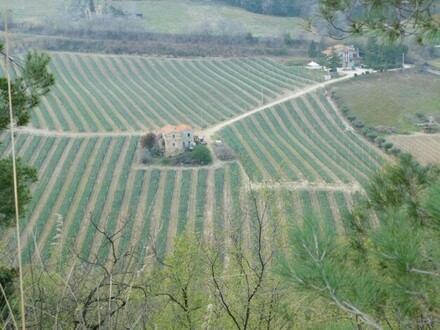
<point x="114" y="93"/>
<point x="302" y="140"/>
<point x="392" y="98"/>
<point x="86" y="181"/>
<point x="84" y="144"/>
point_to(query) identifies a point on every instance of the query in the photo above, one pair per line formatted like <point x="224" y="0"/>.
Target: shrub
<point x="351" y="118"/>
<point x="224" y="152"/>
<point x="421" y="115"/>
<point x="149" y="140"/>
<point x="379" y="141"/>
<point x="371" y="136"/>
<point x="368" y="129"/>
<point x="395" y="151"/>
<point x="146" y="156"/>
<point x="387" y="146"/>
<point x="358" y="124"/>
<point x="201" y="155"/>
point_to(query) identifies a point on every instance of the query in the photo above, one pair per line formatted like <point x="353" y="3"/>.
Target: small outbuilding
<point x="313" y="65"/>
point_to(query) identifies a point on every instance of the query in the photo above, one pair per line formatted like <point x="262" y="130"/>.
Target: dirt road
<point x="209" y="132"/>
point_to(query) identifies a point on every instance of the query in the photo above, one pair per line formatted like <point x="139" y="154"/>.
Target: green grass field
<point x="392" y="98"/>
<point x="186" y="17"/>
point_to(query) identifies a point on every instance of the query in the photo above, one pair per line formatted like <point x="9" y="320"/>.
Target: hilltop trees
<point x="385" y="269"/>
<point x="382" y="57"/>
<point x="274" y="7"/>
<point x="80" y="7"/>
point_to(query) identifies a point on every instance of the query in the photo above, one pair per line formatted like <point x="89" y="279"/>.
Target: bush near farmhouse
<point x="150" y="146"/>
<point x="146" y="156"/>
<point x="148" y="141"/>
<point x="224" y="152"/>
<point x="201" y="154"/>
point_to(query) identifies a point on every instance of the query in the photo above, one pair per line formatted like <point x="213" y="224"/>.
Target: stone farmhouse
<point x="176" y="139"/>
<point x="349" y="55"/>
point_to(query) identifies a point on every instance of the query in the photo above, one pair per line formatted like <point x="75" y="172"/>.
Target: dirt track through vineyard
<point x="210" y="133"/>
<point x="214" y="129"/>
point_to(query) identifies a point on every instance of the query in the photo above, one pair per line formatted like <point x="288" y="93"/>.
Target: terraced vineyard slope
<point x="303" y="141"/>
<point x="84" y="143"/>
<point x="97" y="93"/>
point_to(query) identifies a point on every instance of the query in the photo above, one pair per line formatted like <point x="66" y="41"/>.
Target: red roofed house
<point x="349" y="55"/>
<point x="176" y="138"/>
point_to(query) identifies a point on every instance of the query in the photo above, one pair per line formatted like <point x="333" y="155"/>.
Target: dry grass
<point x="425" y="147"/>
<point x="435" y="63"/>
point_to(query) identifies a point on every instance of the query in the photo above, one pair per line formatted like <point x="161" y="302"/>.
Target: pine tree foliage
<point x="32" y="81"/>
<point x="26" y="175"/>
<point x="385" y="269"/>
<point x="389" y="20"/>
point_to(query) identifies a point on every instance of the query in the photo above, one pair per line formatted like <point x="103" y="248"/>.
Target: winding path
<point x="209" y="132"/>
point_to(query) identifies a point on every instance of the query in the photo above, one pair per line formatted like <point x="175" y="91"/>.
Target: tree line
<point x="289" y="8"/>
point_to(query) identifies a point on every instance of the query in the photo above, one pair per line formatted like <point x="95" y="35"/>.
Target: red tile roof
<point x="183" y="127"/>
<point x="179" y="128"/>
<point x="167" y="129"/>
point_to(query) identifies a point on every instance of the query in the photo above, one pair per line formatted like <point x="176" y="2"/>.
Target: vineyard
<point x="114" y="93"/>
<point x="93" y="182"/>
<point x="302" y="140"/>
<point x="73" y="193"/>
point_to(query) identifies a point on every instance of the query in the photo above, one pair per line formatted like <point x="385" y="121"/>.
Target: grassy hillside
<point x="185" y="17"/>
<point x="392" y="98"/>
